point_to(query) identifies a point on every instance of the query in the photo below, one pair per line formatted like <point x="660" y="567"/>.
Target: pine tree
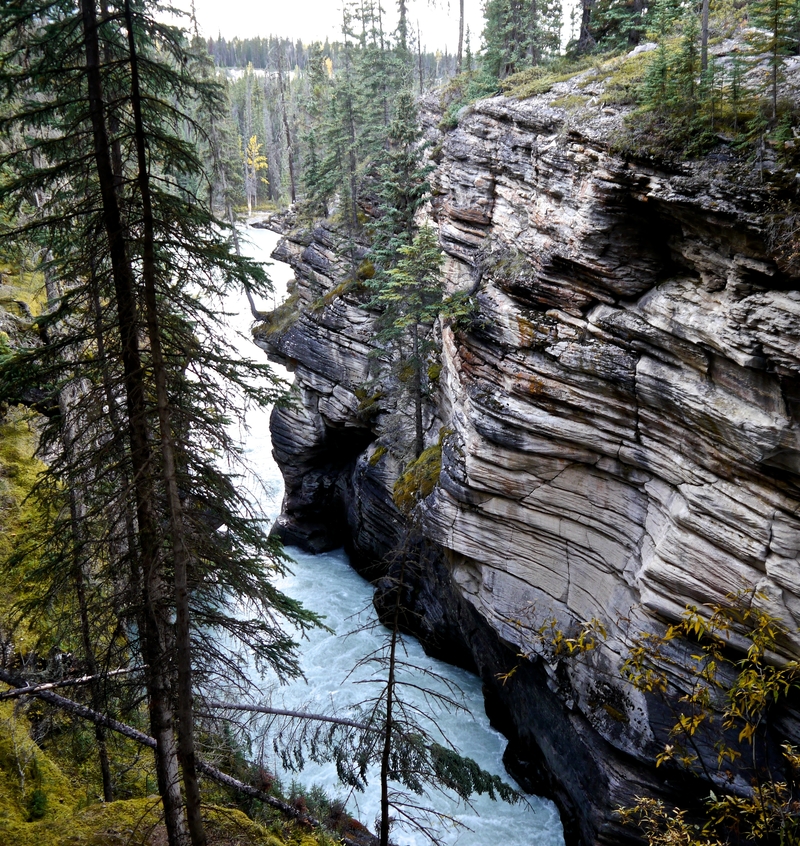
<point x="777" y="28"/>
<point x="520" y="34"/>
<point x="102" y="151"/>
<point x="402" y="186"/>
<point x="613" y="24"/>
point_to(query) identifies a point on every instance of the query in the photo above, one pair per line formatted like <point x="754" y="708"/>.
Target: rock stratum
<point x="621" y="429"/>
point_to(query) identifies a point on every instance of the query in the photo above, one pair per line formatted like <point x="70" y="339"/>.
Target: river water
<point x="328" y="585"/>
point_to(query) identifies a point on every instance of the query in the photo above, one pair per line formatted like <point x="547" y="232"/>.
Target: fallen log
<point x="30" y="690"/>
<point x="92" y="716"/>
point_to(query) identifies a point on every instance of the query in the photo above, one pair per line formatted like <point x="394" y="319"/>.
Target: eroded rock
<point x="625" y="431"/>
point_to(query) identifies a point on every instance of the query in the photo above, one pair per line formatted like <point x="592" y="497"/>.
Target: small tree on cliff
<point x="410" y="296"/>
<point x="402" y="188"/>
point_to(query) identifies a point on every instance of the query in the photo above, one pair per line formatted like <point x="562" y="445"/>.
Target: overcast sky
<point x="312" y="20"/>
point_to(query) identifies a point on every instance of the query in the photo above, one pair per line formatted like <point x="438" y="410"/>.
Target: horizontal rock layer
<point x="625" y="430"/>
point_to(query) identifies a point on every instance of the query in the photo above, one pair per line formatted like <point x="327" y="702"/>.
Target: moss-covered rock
<point x="420" y="477"/>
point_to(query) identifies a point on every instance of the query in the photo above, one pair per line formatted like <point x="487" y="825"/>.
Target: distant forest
<point x="262" y="54"/>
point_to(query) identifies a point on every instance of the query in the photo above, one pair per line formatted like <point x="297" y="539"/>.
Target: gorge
<point x="619" y="427"/>
<point x="336" y="678"/>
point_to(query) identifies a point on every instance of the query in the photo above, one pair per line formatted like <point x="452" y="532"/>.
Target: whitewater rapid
<point x="327" y="584"/>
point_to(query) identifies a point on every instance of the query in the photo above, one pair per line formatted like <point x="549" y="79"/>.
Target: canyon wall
<point x="620" y="428"/>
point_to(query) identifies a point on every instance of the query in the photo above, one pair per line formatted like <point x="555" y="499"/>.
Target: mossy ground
<point x="281" y="319"/>
<point x="18" y="284"/>
<point x="42" y="805"/>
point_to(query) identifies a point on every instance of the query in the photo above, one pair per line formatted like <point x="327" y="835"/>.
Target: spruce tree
<point x="519" y="34"/>
<point x="776" y="24"/>
<point x="94" y="103"/>
<point x="401" y="188"/>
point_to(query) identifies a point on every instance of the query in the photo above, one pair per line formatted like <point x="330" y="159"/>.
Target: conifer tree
<point x="775" y="33"/>
<point x="412" y="298"/>
<point x="520" y="34"/>
<point x="402" y="186"/>
<point x="91" y="100"/>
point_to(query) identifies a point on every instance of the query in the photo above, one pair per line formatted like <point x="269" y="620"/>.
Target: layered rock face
<point x="625" y="430"/>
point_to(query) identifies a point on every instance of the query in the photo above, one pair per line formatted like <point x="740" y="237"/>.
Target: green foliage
<point x="686" y="110"/>
<point x="519" y="34"/>
<point x="549" y="639"/>
<point x="465" y="778"/>
<point x="462" y="90"/>
<point x="402" y="189"/>
<point x="539" y="80"/>
<point x="617" y="25"/>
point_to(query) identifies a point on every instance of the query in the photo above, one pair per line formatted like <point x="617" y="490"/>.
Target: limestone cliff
<point x="624" y="420"/>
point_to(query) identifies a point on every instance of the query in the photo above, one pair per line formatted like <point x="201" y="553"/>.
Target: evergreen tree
<point x="520" y="34"/>
<point x="777" y="22"/>
<point x="613" y="24"/>
<point x="93" y="102"/>
<point x="402" y="187"/>
<point x="410" y="297"/>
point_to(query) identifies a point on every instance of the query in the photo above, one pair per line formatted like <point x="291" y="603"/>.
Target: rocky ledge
<point x="622" y="428"/>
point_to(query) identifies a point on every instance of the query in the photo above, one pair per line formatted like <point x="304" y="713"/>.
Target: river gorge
<point x="619" y="429"/>
<point x="327" y="584"/>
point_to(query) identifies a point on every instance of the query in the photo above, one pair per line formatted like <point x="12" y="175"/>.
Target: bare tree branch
<point x="278" y="712"/>
<point x="31" y="690"/>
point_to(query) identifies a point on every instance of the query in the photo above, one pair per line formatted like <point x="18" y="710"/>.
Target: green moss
<point x="368" y="404"/>
<point x="570" y="102"/>
<point x="539" y="80"/>
<point x="281" y="319"/>
<point x="348" y="286"/>
<point x="18" y="467"/>
<point x="34" y="794"/>
<point x="420" y="477"/>
<point x="377" y="455"/>
<point x="615" y="713"/>
<point x="434" y="371"/>
<point x="366" y="270"/>
<point x="623" y="78"/>
<point x="19" y="470"/>
<point x="21" y="286"/>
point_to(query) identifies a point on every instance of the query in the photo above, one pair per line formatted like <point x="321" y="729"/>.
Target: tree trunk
<point x="94" y="686"/>
<point x="147" y="535"/>
<point x="419" y="443"/>
<point x="460" y="35"/>
<point x="536" y="53"/>
<point x="289" y="150"/>
<point x="402" y="26"/>
<point x="68" y="437"/>
<point x="585" y="39"/>
<point x="704" y="35"/>
<point x="388" y="727"/>
<point x="634" y="33"/>
<point x="419" y="56"/>
<point x="180" y="552"/>
<point x="78" y="540"/>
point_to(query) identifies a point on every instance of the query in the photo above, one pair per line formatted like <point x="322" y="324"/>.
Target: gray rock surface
<point x="625" y="417"/>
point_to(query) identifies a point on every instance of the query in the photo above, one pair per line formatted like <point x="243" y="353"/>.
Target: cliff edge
<point x="620" y="426"/>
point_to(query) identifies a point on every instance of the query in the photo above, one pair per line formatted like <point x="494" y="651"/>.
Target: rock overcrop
<point x="624" y="427"/>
